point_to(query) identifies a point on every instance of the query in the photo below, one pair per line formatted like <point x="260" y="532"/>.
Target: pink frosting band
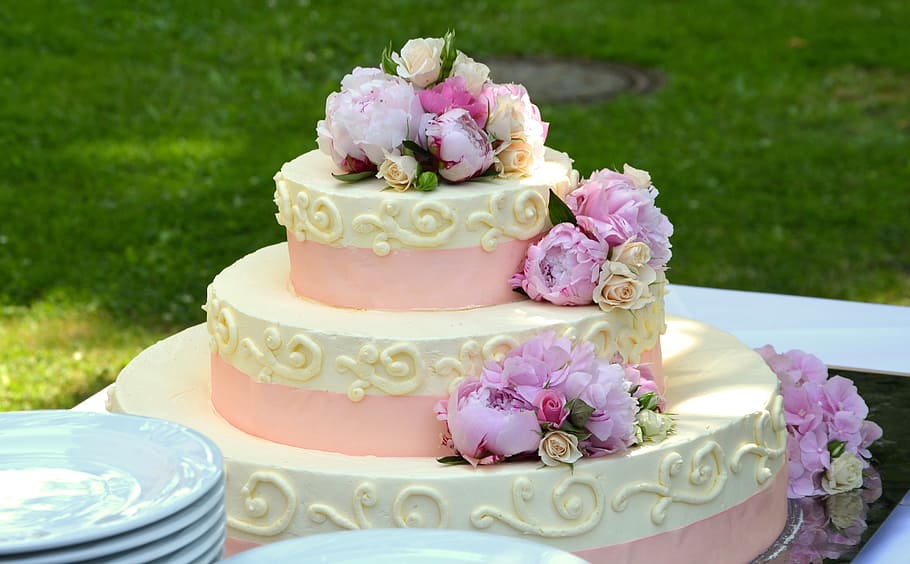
<point x="409" y="279"/>
<point x="738" y="534"/>
<point x="329" y="421"/>
<point x="378" y="425"/>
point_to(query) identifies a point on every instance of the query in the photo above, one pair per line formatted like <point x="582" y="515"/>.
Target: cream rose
<point x="845" y="474"/>
<point x="624" y="286"/>
<point x="640" y="178"/>
<point x="558" y="447"/>
<point x="564" y="186"/>
<point x="632" y="253"/>
<point x="420" y="61"/>
<point x="516" y="159"/>
<point x="654" y="426"/>
<point x="473" y="73"/>
<point x="399" y="171"/>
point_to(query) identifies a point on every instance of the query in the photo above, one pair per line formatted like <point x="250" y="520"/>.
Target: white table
<point x="848" y="335"/>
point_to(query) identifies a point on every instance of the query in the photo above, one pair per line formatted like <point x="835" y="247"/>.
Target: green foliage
<point x="138" y="142"/>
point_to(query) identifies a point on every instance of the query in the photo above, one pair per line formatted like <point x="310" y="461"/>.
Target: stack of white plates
<point x="78" y="487"/>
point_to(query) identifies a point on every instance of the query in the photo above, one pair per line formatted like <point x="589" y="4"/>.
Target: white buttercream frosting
<point x="314" y="206"/>
<point x="261" y="328"/>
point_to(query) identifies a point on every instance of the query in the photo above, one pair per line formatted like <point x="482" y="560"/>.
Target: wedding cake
<point x="461" y="333"/>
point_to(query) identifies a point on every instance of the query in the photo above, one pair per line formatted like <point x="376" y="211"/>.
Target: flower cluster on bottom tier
<point x="722" y="466"/>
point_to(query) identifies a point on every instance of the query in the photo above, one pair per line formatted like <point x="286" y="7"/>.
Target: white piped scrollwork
<point x="364" y="496"/>
<point x="578" y="501"/>
<point x="317" y="219"/>
<point x="395" y="370"/>
<point x="431" y="225"/>
<point x="472" y="357"/>
<point x="770" y="436"/>
<point x="524" y="218"/>
<point x="304" y="356"/>
<point x="261" y="518"/>
<point x="408" y="511"/>
<point x="707" y="477"/>
<point x="221" y="326"/>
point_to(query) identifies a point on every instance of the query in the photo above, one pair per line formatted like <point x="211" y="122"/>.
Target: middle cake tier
<point x="298" y="372"/>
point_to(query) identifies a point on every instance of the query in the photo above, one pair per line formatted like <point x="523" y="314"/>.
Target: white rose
<point x="515" y="159"/>
<point x="399" y="171"/>
<point x="558" y="447"/>
<point x="632" y="253"/>
<point x="845" y="474"/>
<point x="473" y="73"/>
<point x="845" y="509"/>
<point x="640" y="178"/>
<point x="420" y="61"/>
<point x="624" y="286"/>
<point x="654" y="426"/>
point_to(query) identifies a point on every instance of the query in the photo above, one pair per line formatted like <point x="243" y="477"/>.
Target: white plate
<point x="195" y="539"/>
<point x="406" y="546"/>
<point x="73" y="477"/>
<point x="166" y="529"/>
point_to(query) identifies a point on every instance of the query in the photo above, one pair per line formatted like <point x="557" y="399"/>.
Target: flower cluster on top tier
<point x="826" y="418"/>
<point x="607" y="245"/>
<point x="554" y="400"/>
<point x="430" y="112"/>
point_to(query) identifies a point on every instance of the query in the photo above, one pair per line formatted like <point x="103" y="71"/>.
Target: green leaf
<point x="836" y="448"/>
<point x="388" y="65"/>
<point x="448" y="55"/>
<point x="452" y="460"/>
<point x="417" y="149"/>
<point x="427" y="181"/>
<point x="579" y="413"/>
<point x="559" y="211"/>
<point x="521" y="291"/>
<point x="649" y="401"/>
<point x="355" y="176"/>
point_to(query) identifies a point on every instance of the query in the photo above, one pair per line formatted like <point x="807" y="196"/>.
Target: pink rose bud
<point x="463" y="149"/>
<point x="551" y="407"/>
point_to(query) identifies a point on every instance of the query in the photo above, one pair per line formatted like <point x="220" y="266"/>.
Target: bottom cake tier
<point x="715" y="491"/>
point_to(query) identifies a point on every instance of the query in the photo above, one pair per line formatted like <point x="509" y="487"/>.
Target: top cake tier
<point x="361" y="245"/>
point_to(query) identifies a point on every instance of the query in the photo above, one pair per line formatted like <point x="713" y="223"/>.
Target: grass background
<point x="138" y="140"/>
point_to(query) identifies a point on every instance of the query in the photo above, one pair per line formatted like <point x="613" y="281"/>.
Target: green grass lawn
<point x="138" y="141"/>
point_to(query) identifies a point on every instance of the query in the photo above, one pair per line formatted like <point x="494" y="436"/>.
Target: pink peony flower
<point x="611" y="207"/>
<point x="451" y="94"/>
<point x="607" y="391"/>
<point x="462" y="147"/>
<point x="551" y="407"/>
<point x="371" y="116"/>
<point x="488" y="424"/>
<point x="538" y="363"/>
<point x="562" y="268"/>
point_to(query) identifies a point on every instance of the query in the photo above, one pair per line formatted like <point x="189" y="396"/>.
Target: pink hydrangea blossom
<point x="611" y="207"/>
<point x="462" y="148"/>
<point x="450" y="94"/>
<point x="823" y="415"/>
<point x="371" y="116"/>
<point x="562" y="268"/>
